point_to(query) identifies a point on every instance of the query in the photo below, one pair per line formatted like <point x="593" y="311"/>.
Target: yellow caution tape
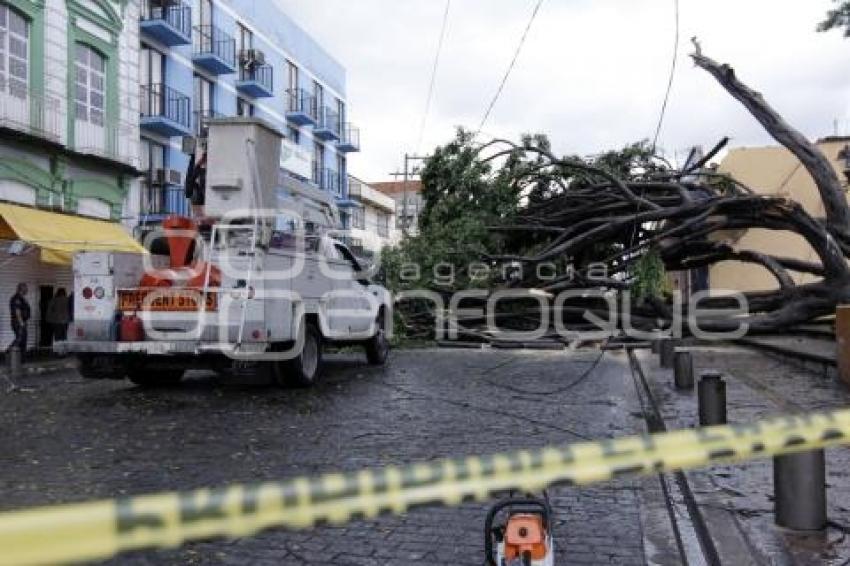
<point x="101" y="529"/>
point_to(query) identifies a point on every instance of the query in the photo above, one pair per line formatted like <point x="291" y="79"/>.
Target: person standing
<point x="20" y="310"/>
<point x="58" y="315"/>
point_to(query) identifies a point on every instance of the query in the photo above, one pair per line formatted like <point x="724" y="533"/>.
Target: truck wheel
<point x="97" y="367"/>
<point x="148" y="377"/>
<point x="378" y="347"/>
<point x="304" y="369"/>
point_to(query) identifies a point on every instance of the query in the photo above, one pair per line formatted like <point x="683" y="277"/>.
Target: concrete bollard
<point x="712" y="399"/>
<point x="16" y="369"/>
<point x="666" y="351"/>
<point x="799" y="488"/>
<point x="683" y="369"/>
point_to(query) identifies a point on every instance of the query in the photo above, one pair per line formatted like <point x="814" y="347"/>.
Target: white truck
<point x="253" y="290"/>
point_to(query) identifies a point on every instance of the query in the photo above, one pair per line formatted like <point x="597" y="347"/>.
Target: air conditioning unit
<point x="167" y="177"/>
<point x="252" y="58"/>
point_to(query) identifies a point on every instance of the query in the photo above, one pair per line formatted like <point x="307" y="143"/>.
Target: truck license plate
<point x="160" y="300"/>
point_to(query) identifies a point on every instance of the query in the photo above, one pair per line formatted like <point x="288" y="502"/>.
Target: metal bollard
<point x="799" y="488"/>
<point x="665" y="353"/>
<point x="683" y="369"/>
<point x="712" y="399"/>
<point x="16" y="370"/>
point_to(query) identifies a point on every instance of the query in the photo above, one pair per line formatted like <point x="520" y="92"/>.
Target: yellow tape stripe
<point x="97" y="530"/>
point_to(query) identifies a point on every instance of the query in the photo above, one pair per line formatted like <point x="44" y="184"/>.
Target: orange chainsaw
<point x="523" y="536"/>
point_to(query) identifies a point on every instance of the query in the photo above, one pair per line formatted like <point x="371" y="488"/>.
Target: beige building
<point x="774" y="171"/>
<point x="372" y="222"/>
<point x="408" y="203"/>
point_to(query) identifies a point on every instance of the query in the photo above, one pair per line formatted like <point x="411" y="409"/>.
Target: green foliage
<point x="649" y="276"/>
<point x="838" y="17"/>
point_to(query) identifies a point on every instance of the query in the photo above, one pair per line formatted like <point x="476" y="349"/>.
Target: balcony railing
<point x="118" y="142"/>
<point x="160" y="199"/>
<point x="168" y="21"/>
<point x="214" y="50"/>
<point x="328" y="127"/>
<point x="350" y="140"/>
<point x="200" y="121"/>
<point x="34" y="114"/>
<point x="332" y="182"/>
<point x="256" y="81"/>
<point x="165" y="110"/>
<point x="301" y="107"/>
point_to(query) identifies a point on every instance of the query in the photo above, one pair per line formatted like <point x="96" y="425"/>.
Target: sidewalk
<point x="737" y="500"/>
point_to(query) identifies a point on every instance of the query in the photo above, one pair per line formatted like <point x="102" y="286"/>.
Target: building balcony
<point x="115" y="142"/>
<point x="328" y="180"/>
<point x="23" y="111"/>
<point x="167" y="21"/>
<point x="256" y="81"/>
<point x="200" y="122"/>
<point x="165" y="111"/>
<point x="162" y="198"/>
<point x="328" y="127"/>
<point x="350" y="140"/>
<point x="214" y="50"/>
<point x="301" y="107"/>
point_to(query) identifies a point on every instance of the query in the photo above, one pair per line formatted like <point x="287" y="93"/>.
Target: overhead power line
<point x="670" y="79"/>
<point x="433" y="77"/>
<point x="510" y="67"/>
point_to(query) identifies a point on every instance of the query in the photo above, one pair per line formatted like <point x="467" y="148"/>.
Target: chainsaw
<point x="523" y="537"/>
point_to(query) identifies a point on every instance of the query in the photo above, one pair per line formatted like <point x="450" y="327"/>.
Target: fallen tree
<point x="590" y="216"/>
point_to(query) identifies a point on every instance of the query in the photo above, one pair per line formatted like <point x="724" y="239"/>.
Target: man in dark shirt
<point x="20" y="311"/>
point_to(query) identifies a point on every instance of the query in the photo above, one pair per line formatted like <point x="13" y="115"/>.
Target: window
<point x="203" y="15"/>
<point x="340" y="112"/>
<point x="383" y="224"/>
<point x="293" y="134"/>
<point x="14" y="52"/>
<point x="151" y="66"/>
<point x="151" y="74"/>
<point x="90" y="84"/>
<point x="202" y="101"/>
<point x="318" y="162"/>
<point x="292" y="74"/>
<point x="244" y="108"/>
<point x="340" y="165"/>
<point x="246" y="38"/>
<point x="319" y="93"/>
<point x="358" y="218"/>
<point x="153" y="159"/>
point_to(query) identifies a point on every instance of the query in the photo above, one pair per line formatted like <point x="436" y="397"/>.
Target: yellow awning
<point x="60" y="235"/>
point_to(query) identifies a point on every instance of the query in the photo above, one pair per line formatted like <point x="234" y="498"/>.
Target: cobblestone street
<point x="73" y="440"/>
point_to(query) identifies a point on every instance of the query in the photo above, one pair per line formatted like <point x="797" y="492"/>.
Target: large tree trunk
<point x="826" y="180"/>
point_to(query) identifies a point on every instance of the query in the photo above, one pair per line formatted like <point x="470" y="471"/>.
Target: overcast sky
<point x="592" y="73"/>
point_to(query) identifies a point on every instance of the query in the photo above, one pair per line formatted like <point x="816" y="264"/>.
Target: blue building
<point x="209" y="58"/>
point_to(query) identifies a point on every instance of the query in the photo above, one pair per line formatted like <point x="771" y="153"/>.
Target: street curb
<point x="42" y="369"/>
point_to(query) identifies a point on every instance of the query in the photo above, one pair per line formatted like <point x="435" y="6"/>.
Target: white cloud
<point x="591" y="75"/>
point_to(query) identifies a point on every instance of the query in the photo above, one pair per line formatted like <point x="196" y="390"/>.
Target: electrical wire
<point x="433" y="77"/>
<point x="670" y="79"/>
<point x="510" y="68"/>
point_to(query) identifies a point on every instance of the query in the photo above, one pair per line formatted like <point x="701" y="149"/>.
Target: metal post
<point x="799" y="487"/>
<point x="16" y="370"/>
<point x="712" y="399"/>
<point x="666" y="351"/>
<point x="683" y="369"/>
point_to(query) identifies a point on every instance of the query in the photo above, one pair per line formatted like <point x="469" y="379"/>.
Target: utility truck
<point x="253" y="285"/>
